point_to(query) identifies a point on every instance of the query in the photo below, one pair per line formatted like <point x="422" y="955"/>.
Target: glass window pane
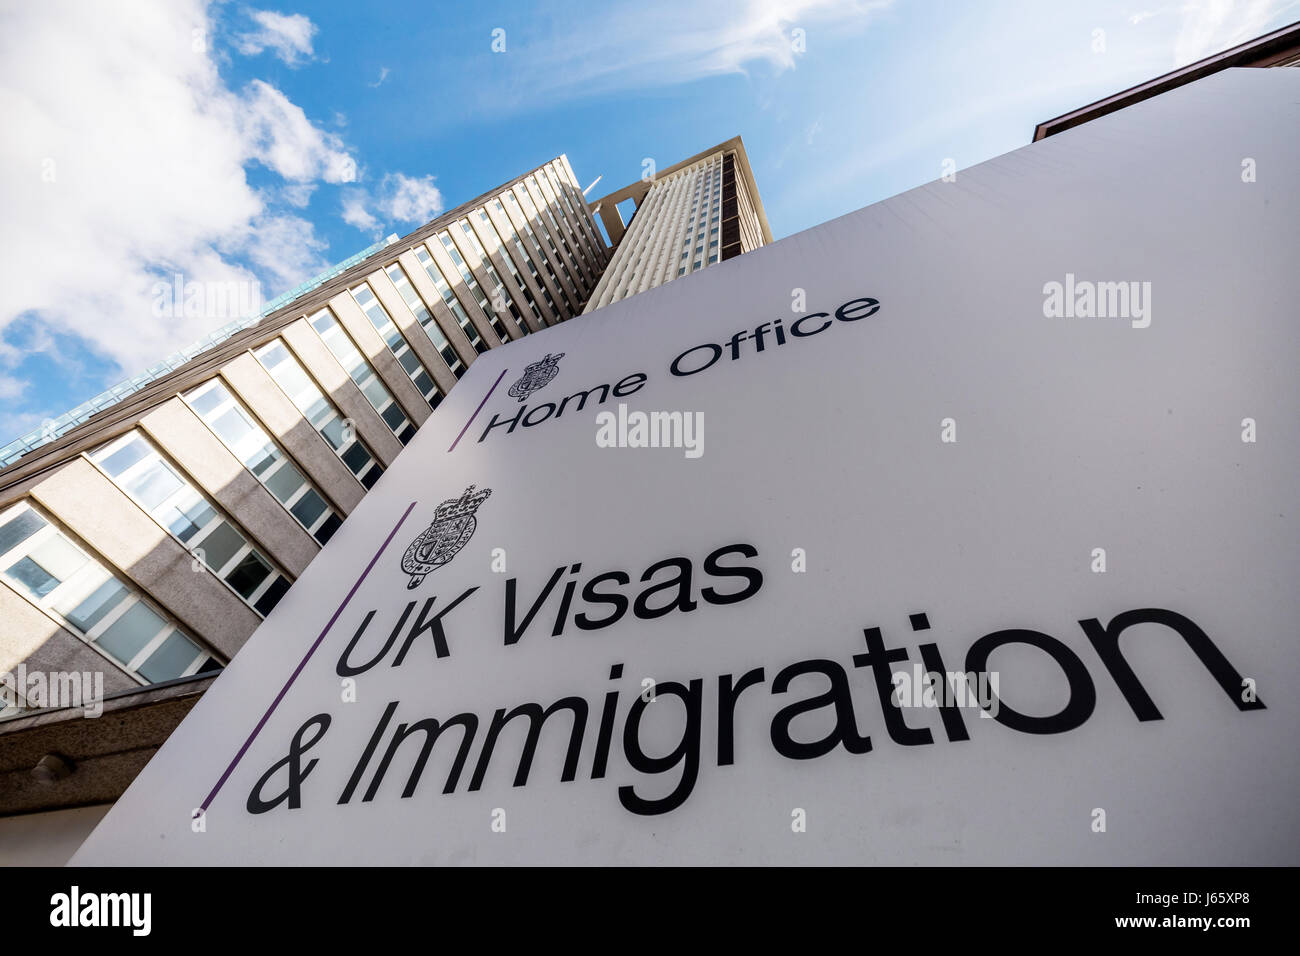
<point x="332" y="431"/>
<point x="130" y="632"/>
<point x="154" y="485"/>
<point x="356" y="458"/>
<point x="393" y="415"/>
<point x="248" y="574"/>
<point x="125" y="457"/>
<point x="327" y="528"/>
<point x="92" y="609"/>
<point x="18" y="529"/>
<point x="59" y="556"/>
<point x="308" y="508"/>
<point x="188" y="518"/>
<point x="285" y="482"/>
<point x="33" y="577"/>
<point x="231" y="425"/>
<point x="271" y="596"/>
<point x="273" y="354"/>
<point x="207" y="401"/>
<point x="171" y="658"/>
<point x="316" y="410"/>
<point x="220" y="546"/>
<point x="263" y="458"/>
<point x="375" y="392"/>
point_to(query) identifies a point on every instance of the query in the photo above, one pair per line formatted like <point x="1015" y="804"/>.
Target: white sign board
<point x="1035" y="426"/>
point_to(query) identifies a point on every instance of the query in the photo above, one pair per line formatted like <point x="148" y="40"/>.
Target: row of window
<point x="61" y="578"/>
<point x="476" y="290"/>
<point x="513" y="200"/>
<point x="498" y="245"/>
<point x="139" y="469"/>
<point x="458" y="312"/>
<point x="311" y="402"/>
<point x="388" y="331"/>
<point x="427" y="322"/>
<point x="528" y="260"/>
<point x="568" y="193"/>
<point x="506" y="300"/>
<point x="704" y="210"/>
<point x="230" y="422"/>
<point x="362" y="374"/>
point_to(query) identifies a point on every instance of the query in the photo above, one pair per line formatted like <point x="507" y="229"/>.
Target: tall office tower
<point x="688" y="217"/>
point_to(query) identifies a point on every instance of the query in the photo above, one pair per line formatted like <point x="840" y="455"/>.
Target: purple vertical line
<point x="477" y="410"/>
<point x="303" y="663"/>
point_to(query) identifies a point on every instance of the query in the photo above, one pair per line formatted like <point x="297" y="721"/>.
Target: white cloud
<point x="356" y="214"/>
<point x="286" y="249"/>
<point x="278" y="134"/>
<point x="298" y="194"/>
<point x="1210" y="26"/>
<point x="399" y="198"/>
<point x="125" y="163"/>
<point x="410" y="199"/>
<point x="687" y="42"/>
<point x="10" y="387"/>
<point x="383" y="75"/>
<point x="288" y="36"/>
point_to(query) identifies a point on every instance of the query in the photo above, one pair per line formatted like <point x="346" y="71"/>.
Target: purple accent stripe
<point x="476" y="411"/>
<point x="303" y="663"/>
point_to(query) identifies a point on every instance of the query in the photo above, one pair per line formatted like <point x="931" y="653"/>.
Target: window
<point x="543" y="203"/>
<point x="449" y="297"/>
<point x="472" y="284"/>
<point x="359" y="370"/>
<point x="560" y="186"/>
<point x="491" y="231"/>
<point x="336" y="431"/>
<point x="397" y="344"/>
<point x="532" y="238"/>
<point x="138" y="469"/>
<point x="469" y="237"/>
<point x="233" y="424"/>
<point x="61" y="578"/>
<point x="427" y="322"/>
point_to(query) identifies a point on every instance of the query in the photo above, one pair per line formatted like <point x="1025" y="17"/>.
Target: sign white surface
<point x="828" y="446"/>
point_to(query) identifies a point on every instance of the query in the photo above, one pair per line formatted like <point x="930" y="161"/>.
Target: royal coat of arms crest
<point x="536" y="376"/>
<point x="452" y="526"/>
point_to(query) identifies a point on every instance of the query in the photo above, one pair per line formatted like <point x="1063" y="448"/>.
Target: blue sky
<point x="261" y="143"/>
